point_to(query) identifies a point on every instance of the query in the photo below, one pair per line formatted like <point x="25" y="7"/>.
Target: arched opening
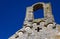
<point x="38" y="11"/>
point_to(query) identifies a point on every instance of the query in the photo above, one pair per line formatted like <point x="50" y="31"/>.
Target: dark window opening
<point x="38" y="11"/>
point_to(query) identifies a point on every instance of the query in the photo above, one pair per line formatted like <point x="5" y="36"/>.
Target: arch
<point x="38" y="9"/>
<point x="37" y="6"/>
<point x="47" y="12"/>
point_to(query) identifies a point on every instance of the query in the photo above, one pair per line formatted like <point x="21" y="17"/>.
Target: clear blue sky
<point x="12" y="14"/>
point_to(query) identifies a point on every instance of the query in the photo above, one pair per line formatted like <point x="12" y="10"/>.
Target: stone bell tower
<point x="42" y="28"/>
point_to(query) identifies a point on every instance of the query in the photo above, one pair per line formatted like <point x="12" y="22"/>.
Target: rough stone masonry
<point x="41" y="28"/>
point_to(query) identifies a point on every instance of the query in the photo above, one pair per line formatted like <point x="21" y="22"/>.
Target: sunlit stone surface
<point x="42" y="28"/>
